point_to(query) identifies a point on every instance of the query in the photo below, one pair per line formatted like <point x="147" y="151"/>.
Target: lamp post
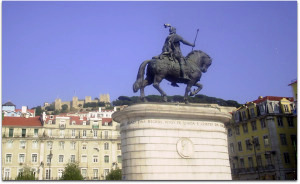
<point x="50" y="157"/>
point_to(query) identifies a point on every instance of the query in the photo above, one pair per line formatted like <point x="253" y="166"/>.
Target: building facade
<point x="90" y="139"/>
<point x="262" y="140"/>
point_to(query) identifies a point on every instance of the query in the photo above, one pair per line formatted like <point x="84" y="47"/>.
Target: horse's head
<point x="201" y="59"/>
<point x="205" y="63"/>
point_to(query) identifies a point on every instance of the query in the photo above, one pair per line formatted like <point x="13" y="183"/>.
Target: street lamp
<point x="50" y="157"/>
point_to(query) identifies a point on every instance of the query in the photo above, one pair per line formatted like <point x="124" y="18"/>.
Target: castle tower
<point x="57" y="104"/>
<point x="75" y="102"/>
<point x="88" y="99"/>
<point x="104" y="98"/>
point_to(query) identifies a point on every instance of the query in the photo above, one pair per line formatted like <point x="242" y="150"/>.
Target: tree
<point x="64" y="108"/>
<point x="27" y="174"/>
<point x="71" y="172"/>
<point x="114" y="175"/>
<point x="38" y="110"/>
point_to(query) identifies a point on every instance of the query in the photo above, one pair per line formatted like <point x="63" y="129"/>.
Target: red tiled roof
<point x="106" y="120"/>
<point x="293" y="83"/>
<point x="28" y="110"/>
<point x="21" y="121"/>
<point x="272" y="98"/>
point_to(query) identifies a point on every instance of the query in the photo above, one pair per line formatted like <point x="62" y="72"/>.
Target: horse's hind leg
<point x="156" y="82"/>
<point x="197" y="90"/>
<point x="187" y="90"/>
<point x="142" y="90"/>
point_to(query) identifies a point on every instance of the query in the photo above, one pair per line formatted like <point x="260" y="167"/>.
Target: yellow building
<point x="262" y="140"/>
<point x="49" y="142"/>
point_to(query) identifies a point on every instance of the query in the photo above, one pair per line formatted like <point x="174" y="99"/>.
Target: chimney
<point x="24" y="109"/>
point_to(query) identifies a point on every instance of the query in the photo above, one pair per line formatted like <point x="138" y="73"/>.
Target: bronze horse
<point x="159" y="69"/>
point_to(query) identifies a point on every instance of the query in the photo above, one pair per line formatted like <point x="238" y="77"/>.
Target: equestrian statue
<point x="172" y="66"/>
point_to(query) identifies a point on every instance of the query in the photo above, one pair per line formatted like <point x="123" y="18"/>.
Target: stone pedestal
<point x="174" y="142"/>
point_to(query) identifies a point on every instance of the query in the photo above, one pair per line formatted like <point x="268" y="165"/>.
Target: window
<point x="268" y="159"/>
<point x="119" y="146"/>
<point x="253" y="125"/>
<point x="279" y="121"/>
<point x="49" y="145"/>
<point x="266" y="140"/>
<point x="252" y="112"/>
<point x="59" y="173"/>
<point x="229" y="132"/>
<point x="20" y="171"/>
<point x="283" y="139"/>
<point x="95" y="158"/>
<point x="72" y="159"/>
<point x="21" y="158"/>
<point x="11" y="132"/>
<point x="261" y="109"/>
<point x="61" y="145"/>
<point x="50" y="132"/>
<point x="290" y="122"/>
<point x="106" y="146"/>
<point x="106" y="134"/>
<point x="61" y="158"/>
<point x="48" y="159"/>
<point x="250" y="162"/>
<point x="106" y="171"/>
<point x="83" y="158"/>
<point x="259" y="161"/>
<point x="9" y="144"/>
<point x="8" y="158"/>
<point x="23" y="132"/>
<point x="248" y="145"/>
<point x="7" y="174"/>
<point x="73" y="133"/>
<point x="84" y="122"/>
<point x="48" y="173"/>
<point x="95" y="174"/>
<point x="240" y="146"/>
<point x="84" y="146"/>
<point x="22" y="144"/>
<point x="294" y="140"/>
<point x="50" y="122"/>
<point x="237" y="130"/>
<point x="83" y="173"/>
<point x="245" y="128"/>
<point x="256" y="142"/>
<point x="232" y="147"/>
<point x="95" y="133"/>
<point x="34" y="158"/>
<point x="61" y="133"/>
<point x="286" y="108"/>
<point x="106" y="159"/>
<point x="119" y="159"/>
<point x="242" y="163"/>
<point x="84" y="133"/>
<point x="73" y="144"/>
<point x="286" y="158"/>
<point x="244" y="115"/>
<point x="36" y="132"/>
<point x="262" y="123"/>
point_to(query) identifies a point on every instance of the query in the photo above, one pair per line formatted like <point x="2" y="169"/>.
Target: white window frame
<point x="10" y="158"/>
<point x="73" y="133"/>
<point x="61" y="145"/>
<point x="95" y="158"/>
<point x="84" y="133"/>
<point x="47" y="171"/>
<point x="84" y="146"/>
<point x="32" y="161"/>
<point x="7" y="170"/>
<point x="83" y="160"/>
<point x="95" y="133"/>
<point x="20" y="157"/>
<point x="59" y="158"/>
<point x="73" y="145"/>
<point x="84" y="175"/>
<point x="71" y="160"/>
<point x="106" y="146"/>
<point x="59" y="172"/>
<point x="105" y="157"/>
<point x="22" y="144"/>
<point x="9" y="144"/>
<point x="35" y="144"/>
<point x="95" y="176"/>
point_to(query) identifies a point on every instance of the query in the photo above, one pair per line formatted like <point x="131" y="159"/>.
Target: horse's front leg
<point x="156" y="82"/>
<point x="187" y="90"/>
<point x="197" y="90"/>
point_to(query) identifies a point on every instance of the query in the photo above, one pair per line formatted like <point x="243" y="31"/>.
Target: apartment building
<point x="51" y="141"/>
<point x="262" y="139"/>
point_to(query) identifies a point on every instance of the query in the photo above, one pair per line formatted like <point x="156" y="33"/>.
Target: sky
<point x="63" y="49"/>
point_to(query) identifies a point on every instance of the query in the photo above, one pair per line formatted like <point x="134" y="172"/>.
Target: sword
<point x="195" y="38"/>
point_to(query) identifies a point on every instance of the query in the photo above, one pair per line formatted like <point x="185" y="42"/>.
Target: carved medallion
<point x="185" y="147"/>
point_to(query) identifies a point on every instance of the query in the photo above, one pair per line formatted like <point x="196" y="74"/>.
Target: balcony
<point x="95" y="127"/>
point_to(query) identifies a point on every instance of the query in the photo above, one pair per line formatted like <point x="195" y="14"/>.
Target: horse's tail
<point x="140" y="76"/>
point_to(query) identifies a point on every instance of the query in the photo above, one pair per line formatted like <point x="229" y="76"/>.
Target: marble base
<point x="174" y="142"/>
